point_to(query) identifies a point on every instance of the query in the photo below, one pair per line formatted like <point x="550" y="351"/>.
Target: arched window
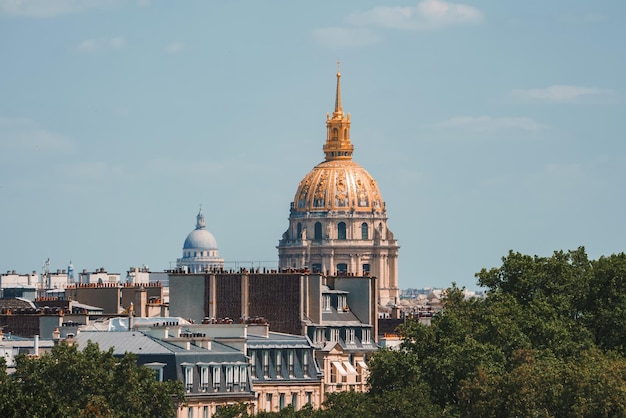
<point x="335" y="134"/>
<point x="364" y="231"/>
<point x="341" y="230"/>
<point x="299" y="234"/>
<point x="318" y="231"/>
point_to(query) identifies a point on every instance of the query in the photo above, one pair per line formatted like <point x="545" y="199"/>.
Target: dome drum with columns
<point x="200" y="251"/>
<point x="338" y="220"/>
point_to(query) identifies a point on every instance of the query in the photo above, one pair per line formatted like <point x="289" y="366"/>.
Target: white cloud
<point x="50" y="8"/>
<point x="26" y="135"/>
<point x="94" y="45"/>
<point x="564" y="94"/>
<point x="427" y="15"/>
<point x="490" y="124"/>
<point x="360" y="28"/>
<point x="174" y="47"/>
<point x="338" y="37"/>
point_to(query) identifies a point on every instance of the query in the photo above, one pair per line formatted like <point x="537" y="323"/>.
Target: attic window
<point x="326" y="303"/>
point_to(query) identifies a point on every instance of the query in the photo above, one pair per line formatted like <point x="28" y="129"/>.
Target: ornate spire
<point x="338" y="109"/>
<point x="338" y="145"/>
<point x="200" y="223"/>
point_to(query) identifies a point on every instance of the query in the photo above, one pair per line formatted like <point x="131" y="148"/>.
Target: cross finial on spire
<point x="338" y="67"/>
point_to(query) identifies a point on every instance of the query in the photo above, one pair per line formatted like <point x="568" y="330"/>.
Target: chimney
<point x="36" y="345"/>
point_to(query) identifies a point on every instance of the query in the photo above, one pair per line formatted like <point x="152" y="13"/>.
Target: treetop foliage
<point x="549" y="340"/>
<point x="68" y="382"/>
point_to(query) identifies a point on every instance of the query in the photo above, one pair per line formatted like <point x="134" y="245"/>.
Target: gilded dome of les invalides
<point x="338" y="219"/>
<point x="338" y="183"/>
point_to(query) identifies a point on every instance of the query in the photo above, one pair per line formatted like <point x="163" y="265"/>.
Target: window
<point x="305" y="363"/>
<point x="268" y="402"/>
<point x="229" y="378"/>
<point x="335" y="134"/>
<point x="366" y="269"/>
<point x="205" y="412"/>
<point x="190" y="412"/>
<point x="367" y="336"/>
<point x="309" y="398"/>
<point x="279" y="364"/>
<point x="342" y="303"/>
<point x="326" y="303"/>
<point x="216" y="379"/>
<point x="318" y="231"/>
<point x="317" y="267"/>
<point x="243" y="377"/>
<point x="364" y="231"/>
<point x="253" y="364"/>
<point x="319" y="335"/>
<point x="334" y="334"/>
<point x="281" y="401"/>
<point x="294" y="401"/>
<point x="266" y="363"/>
<point x="157" y="369"/>
<point x="350" y="336"/>
<point x="299" y="234"/>
<point x="236" y="375"/>
<point x="341" y="230"/>
<point x="291" y="355"/>
<point x="342" y="268"/>
<point x="204" y="378"/>
<point x="188" y="378"/>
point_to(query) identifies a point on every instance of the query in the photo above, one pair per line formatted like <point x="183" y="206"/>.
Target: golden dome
<point x="338" y="184"/>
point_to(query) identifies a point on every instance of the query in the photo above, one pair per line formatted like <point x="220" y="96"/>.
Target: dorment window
<point x="266" y="363"/>
<point x="305" y="363"/>
<point x="157" y="368"/>
<point x="216" y="378"/>
<point x="204" y="378"/>
<point x="342" y="303"/>
<point x="253" y="364"/>
<point x="326" y="306"/>
<point x="229" y="378"/>
<point x="279" y="364"/>
<point x="319" y="335"/>
<point x="350" y="334"/>
<point x="243" y="378"/>
<point x="291" y="362"/>
<point x="188" y="378"/>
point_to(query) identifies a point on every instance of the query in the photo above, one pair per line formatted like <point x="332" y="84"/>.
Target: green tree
<point x="69" y="382"/>
<point x="605" y="313"/>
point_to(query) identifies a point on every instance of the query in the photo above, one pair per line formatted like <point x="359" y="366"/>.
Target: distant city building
<point x="338" y="314"/>
<point x="209" y="359"/>
<point x="338" y="219"/>
<point x="100" y="276"/>
<point x="200" y="250"/>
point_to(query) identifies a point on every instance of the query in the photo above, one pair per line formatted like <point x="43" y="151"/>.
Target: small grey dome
<point x="200" y="238"/>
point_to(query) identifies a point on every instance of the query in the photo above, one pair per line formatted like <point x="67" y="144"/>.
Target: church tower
<point x="338" y="220"/>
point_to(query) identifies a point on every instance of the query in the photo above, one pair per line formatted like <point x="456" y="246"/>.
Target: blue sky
<point x="488" y="126"/>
